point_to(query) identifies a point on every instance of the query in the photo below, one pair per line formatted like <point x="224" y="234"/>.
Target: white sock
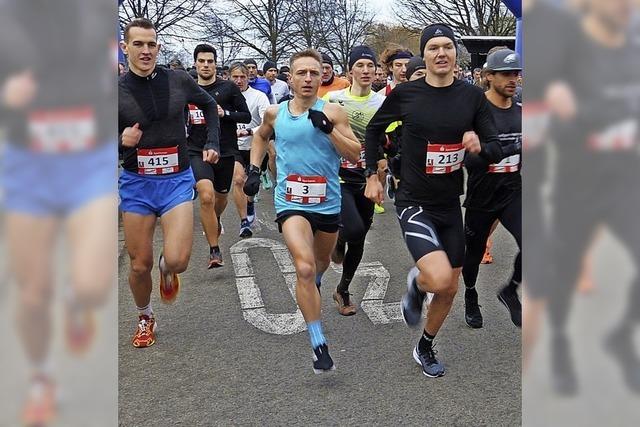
<point x="146" y="311"/>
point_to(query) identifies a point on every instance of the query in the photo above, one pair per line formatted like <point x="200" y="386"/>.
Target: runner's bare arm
<point x="262" y="135"/>
<point x="343" y="138"/>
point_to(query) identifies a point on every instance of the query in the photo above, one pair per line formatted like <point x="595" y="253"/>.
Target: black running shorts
<point x="426" y="231"/>
<point x="221" y="173"/>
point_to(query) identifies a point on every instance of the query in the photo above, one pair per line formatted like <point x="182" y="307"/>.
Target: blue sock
<point x="319" y="279"/>
<point x="315" y="334"/>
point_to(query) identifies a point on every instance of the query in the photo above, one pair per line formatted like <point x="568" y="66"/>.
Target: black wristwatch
<point x="369" y="172"/>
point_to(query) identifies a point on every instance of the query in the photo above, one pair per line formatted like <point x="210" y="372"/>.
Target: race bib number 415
<point x="306" y="189"/>
<point x="158" y="161"/>
<point x="444" y="158"/>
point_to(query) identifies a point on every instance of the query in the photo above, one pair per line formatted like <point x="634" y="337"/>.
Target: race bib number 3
<point x="62" y="130"/>
<point x="444" y="158"/>
<point x="306" y="189"/>
<point x="344" y="163"/>
<point x="196" y="116"/>
<point x="507" y="165"/>
<point x="158" y="161"/>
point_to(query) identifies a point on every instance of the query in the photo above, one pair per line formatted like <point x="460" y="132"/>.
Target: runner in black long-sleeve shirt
<point x="436" y="114"/>
<point x="214" y="181"/>
<point x="157" y="180"/>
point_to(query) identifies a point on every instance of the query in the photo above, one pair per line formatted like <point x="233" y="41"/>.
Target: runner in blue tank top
<point x="311" y="136"/>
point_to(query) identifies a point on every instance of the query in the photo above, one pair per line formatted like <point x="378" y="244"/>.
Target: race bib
<point x="618" y="137"/>
<point x="360" y="164"/>
<point x="444" y="158"/>
<point x="62" y="130"/>
<point x="535" y="125"/>
<point x="306" y="189"/>
<point x="158" y="161"/>
<point x="196" y="116"/>
<point x="507" y="165"/>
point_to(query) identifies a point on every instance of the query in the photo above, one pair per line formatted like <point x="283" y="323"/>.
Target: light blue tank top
<point x="307" y="164"/>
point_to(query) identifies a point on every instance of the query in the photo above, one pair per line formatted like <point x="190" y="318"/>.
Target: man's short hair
<point x="140" y="23"/>
<point x="307" y="53"/>
<point x="205" y="48"/>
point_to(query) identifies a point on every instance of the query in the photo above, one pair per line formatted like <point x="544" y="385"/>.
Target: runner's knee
<point x="306" y="270"/>
<point x="141" y="265"/>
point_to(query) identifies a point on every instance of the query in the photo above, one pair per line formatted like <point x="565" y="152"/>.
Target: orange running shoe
<point x="487" y="258"/>
<point x="169" y="284"/>
<point x="80" y="329"/>
<point x="40" y="407"/>
<point x="145" y="335"/>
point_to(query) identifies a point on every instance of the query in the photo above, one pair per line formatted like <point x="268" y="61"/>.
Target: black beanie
<point x="269" y="64"/>
<point x="416" y="63"/>
<point x="327" y="60"/>
<point x="250" y="61"/>
<point x="435" y="30"/>
<point x="361" y="52"/>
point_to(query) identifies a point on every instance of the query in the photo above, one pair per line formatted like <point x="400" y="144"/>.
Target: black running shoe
<point x="472" y="314"/>
<point x="509" y="297"/>
<point x="245" y="229"/>
<point x="322" y="362"/>
<point x="412" y="301"/>
<point x="430" y="365"/>
<point x="563" y="375"/>
<point x="215" y="259"/>
<point x="391" y="186"/>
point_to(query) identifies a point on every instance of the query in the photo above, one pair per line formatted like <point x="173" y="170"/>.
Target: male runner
<point x="311" y="135"/>
<point x="213" y="182"/>
<point x="329" y="80"/>
<point x="494" y="191"/>
<point x="157" y="180"/>
<point x="258" y="82"/>
<point x="395" y="59"/>
<point x="437" y="113"/>
<point x="257" y="102"/>
<point x="361" y="103"/>
<point x="279" y="88"/>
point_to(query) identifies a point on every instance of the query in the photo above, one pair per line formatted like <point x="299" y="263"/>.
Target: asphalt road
<point x="232" y="350"/>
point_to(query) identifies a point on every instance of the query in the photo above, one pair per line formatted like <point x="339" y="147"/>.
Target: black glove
<point x="252" y="185"/>
<point x="320" y="121"/>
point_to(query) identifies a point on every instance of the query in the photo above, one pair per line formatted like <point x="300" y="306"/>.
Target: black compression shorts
<point x="428" y="231"/>
<point x="221" y="173"/>
<point x="319" y="222"/>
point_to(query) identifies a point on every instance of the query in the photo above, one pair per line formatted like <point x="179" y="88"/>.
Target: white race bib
<point x="196" y="116"/>
<point x="618" y="137"/>
<point x="306" y="189"/>
<point x="360" y="164"/>
<point x="508" y="164"/>
<point x="62" y="130"/>
<point x="444" y="158"/>
<point x="158" y="161"/>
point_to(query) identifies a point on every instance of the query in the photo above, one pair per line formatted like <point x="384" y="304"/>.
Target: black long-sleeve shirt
<point x="433" y="117"/>
<point x="229" y="97"/>
<point x="489" y="187"/>
<point x="157" y="103"/>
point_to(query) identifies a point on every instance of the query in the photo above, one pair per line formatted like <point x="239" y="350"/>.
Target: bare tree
<point x="264" y="26"/>
<point x="171" y="18"/>
<point x="349" y="23"/>
<point x="310" y="24"/>
<point x="467" y="17"/>
<point x="218" y="32"/>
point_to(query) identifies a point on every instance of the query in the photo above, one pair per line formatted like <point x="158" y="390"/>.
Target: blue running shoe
<point x="266" y="181"/>
<point x="430" y="365"/>
<point x="412" y="301"/>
